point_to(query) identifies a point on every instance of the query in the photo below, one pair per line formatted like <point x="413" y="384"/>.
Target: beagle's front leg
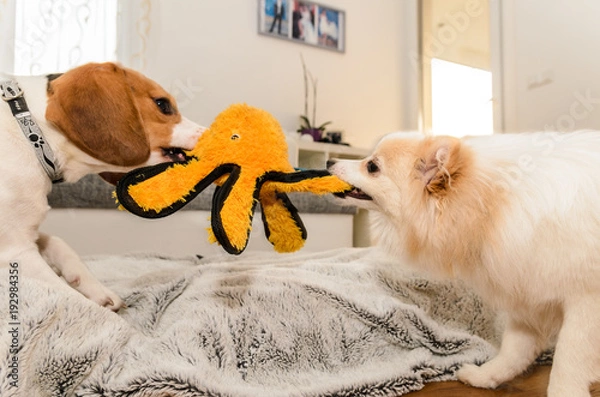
<point x="67" y="263"/>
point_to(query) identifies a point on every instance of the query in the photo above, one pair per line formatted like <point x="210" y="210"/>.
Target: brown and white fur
<point x="96" y="118"/>
<point x="517" y="217"/>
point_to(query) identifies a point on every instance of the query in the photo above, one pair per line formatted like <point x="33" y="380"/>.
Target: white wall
<point x="551" y="52"/>
<point x="213" y="49"/>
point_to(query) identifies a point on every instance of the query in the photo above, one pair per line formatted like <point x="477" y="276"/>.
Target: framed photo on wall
<point x="304" y="22"/>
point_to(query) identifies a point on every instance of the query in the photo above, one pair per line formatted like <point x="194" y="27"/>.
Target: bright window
<point x="56" y="36"/>
<point x="461" y="99"/>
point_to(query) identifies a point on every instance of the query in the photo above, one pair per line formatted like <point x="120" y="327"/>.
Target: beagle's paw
<point x="477" y="376"/>
<point x="95" y="291"/>
<point x="109" y="300"/>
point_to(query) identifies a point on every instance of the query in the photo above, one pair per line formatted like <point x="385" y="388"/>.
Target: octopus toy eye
<point x="235" y="137"/>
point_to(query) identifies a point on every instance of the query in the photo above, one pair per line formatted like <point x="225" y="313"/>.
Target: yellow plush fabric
<point x="245" y="153"/>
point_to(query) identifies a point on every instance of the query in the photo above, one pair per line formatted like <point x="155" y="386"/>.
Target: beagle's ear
<point x="93" y="105"/>
<point x="439" y="164"/>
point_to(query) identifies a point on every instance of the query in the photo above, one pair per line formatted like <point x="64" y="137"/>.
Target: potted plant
<point x="309" y="126"/>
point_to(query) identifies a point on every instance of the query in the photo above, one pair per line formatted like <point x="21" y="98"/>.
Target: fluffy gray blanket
<point x="339" y="323"/>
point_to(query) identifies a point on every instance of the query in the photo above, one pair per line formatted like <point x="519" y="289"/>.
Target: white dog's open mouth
<point x="355" y="193"/>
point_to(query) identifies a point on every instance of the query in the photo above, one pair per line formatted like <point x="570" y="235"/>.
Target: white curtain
<point x="7" y="35"/>
<point x="47" y="36"/>
<point x="134" y="28"/>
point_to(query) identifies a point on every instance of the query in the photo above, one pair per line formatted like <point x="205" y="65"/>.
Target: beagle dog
<point x="96" y="118"/>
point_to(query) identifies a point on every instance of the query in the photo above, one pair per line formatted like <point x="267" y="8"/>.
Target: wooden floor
<point x="532" y="384"/>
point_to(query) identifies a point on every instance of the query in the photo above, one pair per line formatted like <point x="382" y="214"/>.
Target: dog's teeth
<point x="174" y="154"/>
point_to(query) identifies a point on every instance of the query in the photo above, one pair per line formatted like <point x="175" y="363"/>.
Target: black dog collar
<point x="13" y="95"/>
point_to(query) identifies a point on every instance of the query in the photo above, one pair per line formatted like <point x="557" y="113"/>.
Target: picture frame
<point x="304" y="22"/>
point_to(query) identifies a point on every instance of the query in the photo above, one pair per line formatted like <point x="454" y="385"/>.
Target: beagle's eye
<point x="164" y="105"/>
<point x="235" y="137"/>
<point x="372" y="168"/>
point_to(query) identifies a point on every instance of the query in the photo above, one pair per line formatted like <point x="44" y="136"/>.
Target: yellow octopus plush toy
<point x="244" y="152"/>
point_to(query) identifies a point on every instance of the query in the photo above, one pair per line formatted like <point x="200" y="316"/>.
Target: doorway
<point x="459" y="77"/>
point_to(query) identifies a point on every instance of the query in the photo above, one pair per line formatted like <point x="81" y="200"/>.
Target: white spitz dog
<point x="517" y="217"/>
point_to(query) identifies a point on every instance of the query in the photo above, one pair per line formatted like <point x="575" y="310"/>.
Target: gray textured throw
<point x="338" y="323"/>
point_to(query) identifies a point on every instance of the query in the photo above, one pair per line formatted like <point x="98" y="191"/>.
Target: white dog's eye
<point x="372" y="168"/>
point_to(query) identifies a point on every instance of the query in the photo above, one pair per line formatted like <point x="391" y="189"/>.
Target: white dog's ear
<point x="439" y="163"/>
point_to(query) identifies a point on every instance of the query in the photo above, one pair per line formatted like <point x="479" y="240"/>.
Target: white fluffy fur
<point x="518" y="218"/>
<point x="25" y="185"/>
